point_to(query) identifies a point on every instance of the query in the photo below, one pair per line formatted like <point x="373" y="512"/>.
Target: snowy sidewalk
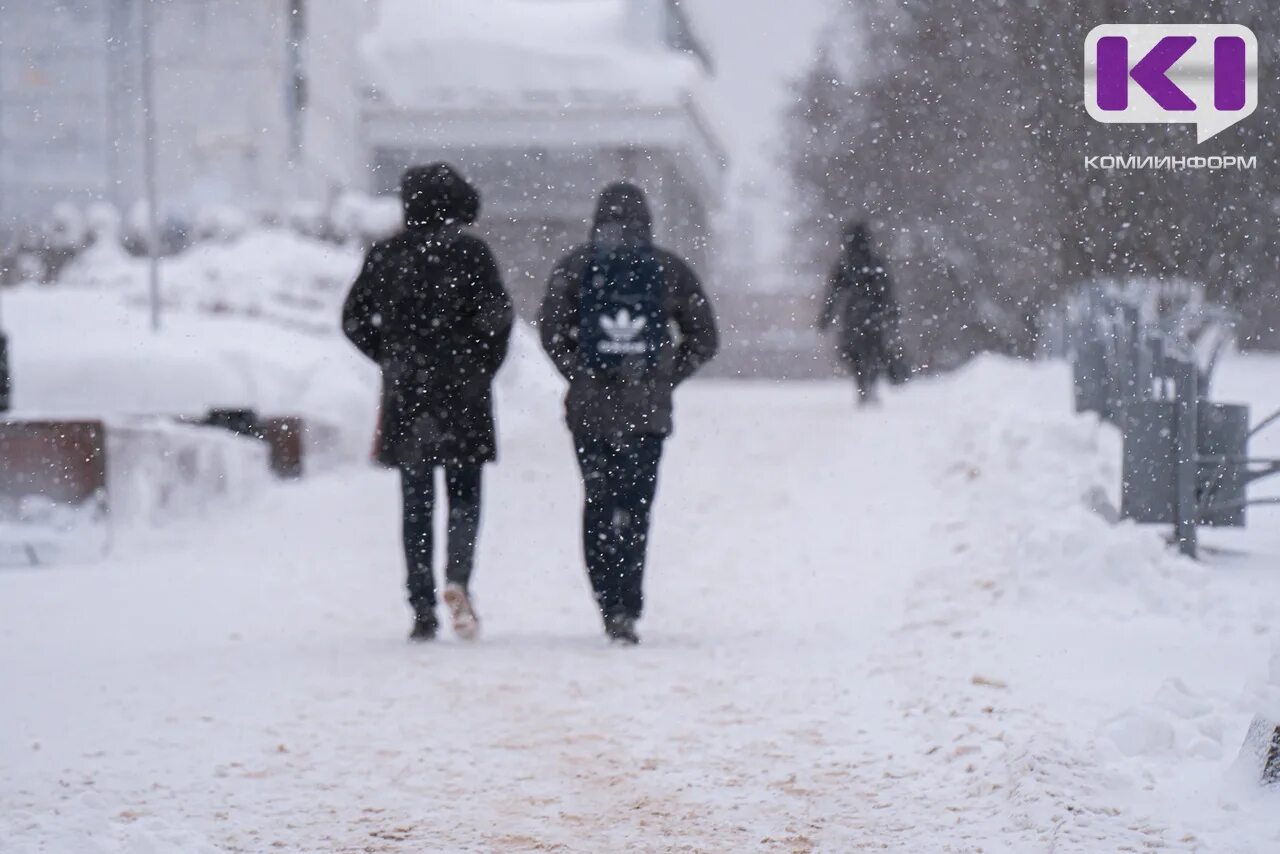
<point x="901" y="630"/>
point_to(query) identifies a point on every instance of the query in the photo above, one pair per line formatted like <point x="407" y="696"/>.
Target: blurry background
<point x="756" y="127"/>
<point x="962" y="134"/>
<point x="291" y="122"/>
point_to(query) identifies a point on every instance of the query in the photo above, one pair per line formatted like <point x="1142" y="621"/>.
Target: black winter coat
<point x="430" y="309"/>
<point x="860" y="299"/>
<point x="612" y="407"/>
<point x="437" y="365"/>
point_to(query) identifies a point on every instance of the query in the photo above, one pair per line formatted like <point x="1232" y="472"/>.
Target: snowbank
<point x="251" y="323"/>
<point x="159" y="471"/>
<point x="91" y="353"/>
<point x="265" y="273"/>
<point x="513" y="52"/>
<point x="1104" y="682"/>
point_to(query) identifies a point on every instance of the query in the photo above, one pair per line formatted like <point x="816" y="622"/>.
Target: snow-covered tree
<point x="960" y="133"/>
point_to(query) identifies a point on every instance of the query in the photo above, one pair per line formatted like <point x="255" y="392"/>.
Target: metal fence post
<point x="1188" y="409"/>
<point x="1130" y="358"/>
<point x="5" y="382"/>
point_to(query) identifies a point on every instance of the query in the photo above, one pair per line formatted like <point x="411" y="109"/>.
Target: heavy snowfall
<point x="913" y="614"/>
<point x="910" y="628"/>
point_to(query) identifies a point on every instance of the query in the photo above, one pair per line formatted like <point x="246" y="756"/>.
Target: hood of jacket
<point x="436" y="196"/>
<point x="856" y="240"/>
<point x="622" y="217"/>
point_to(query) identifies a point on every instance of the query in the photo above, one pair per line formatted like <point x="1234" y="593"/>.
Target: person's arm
<point x="885" y="307"/>
<point x="693" y="315"/>
<point x="494" y="314"/>
<point x="831" y="298"/>
<point x="558" y="317"/>
<point x="361" y="313"/>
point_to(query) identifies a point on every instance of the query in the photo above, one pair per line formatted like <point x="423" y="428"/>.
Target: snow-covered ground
<point x="902" y="629"/>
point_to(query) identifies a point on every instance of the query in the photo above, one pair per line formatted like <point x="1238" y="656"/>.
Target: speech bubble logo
<point x="1201" y="74"/>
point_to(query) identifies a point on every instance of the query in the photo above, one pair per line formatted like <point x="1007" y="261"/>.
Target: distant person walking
<point x="430" y="309"/>
<point x="860" y="301"/>
<point x="607" y="322"/>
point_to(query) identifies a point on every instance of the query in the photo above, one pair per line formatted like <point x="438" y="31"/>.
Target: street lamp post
<point x="149" y="154"/>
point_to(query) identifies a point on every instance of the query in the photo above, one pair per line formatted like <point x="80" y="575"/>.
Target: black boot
<point x="425" y="626"/>
<point x="621" y="629"/>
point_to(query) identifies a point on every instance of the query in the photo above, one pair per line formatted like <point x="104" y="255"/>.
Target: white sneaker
<point x="466" y="624"/>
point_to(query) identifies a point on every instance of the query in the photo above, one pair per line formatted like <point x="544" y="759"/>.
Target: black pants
<point x="620" y="477"/>
<point x="418" y="489"/>
<point x="866" y="373"/>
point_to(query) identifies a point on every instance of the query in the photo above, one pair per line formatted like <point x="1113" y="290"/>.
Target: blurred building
<point x="261" y="102"/>
<point x="541" y="103"/>
<point x="255" y="102"/>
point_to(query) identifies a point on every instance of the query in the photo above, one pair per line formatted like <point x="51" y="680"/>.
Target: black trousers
<point x="418" y="491"/>
<point x="866" y="374"/>
<point x="620" y="477"/>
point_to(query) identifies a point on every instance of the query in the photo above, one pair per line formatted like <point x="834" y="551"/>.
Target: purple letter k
<point x="1150" y="73"/>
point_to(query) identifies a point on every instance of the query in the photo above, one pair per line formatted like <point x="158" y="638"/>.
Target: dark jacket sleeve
<point x="831" y="299"/>
<point x="361" y="313"/>
<point x="880" y="294"/>
<point x="493" y="313"/>
<point x="888" y="297"/>
<point x="558" y="317"/>
<point x="692" y="313"/>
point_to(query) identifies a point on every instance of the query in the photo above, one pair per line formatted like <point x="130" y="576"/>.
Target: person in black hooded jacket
<point x="430" y="309"/>
<point x="619" y="423"/>
<point x="860" y="297"/>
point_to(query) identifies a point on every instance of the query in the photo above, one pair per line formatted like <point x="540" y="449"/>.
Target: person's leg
<point x="860" y="382"/>
<point x="463" y="484"/>
<point x="637" y="477"/>
<point x="599" y="549"/>
<point x="871" y="374"/>
<point x="417" y="488"/>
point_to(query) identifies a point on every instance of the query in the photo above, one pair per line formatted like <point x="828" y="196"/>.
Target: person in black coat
<point x="860" y="299"/>
<point x="619" y="423"/>
<point x="430" y="309"/>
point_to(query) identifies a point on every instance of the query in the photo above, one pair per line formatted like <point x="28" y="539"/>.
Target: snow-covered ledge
<point x="542" y="74"/>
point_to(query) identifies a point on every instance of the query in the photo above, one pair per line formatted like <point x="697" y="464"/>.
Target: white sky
<point x="758" y="46"/>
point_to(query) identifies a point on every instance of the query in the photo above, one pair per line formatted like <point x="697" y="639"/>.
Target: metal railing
<point x="1144" y="360"/>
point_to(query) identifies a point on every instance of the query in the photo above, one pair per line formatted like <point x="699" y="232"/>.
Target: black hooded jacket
<point x="430" y="308"/>
<point x="860" y="298"/>
<point x="604" y="406"/>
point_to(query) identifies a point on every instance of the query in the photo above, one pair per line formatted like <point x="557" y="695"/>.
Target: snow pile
<point x="105" y="360"/>
<point x="535" y="53"/>
<point x="250" y="323"/>
<point x="1102" y="672"/>
<point x="1068" y="469"/>
<point x="265" y="273"/>
<point x="1175" y="723"/>
<point x="159" y="471"/>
